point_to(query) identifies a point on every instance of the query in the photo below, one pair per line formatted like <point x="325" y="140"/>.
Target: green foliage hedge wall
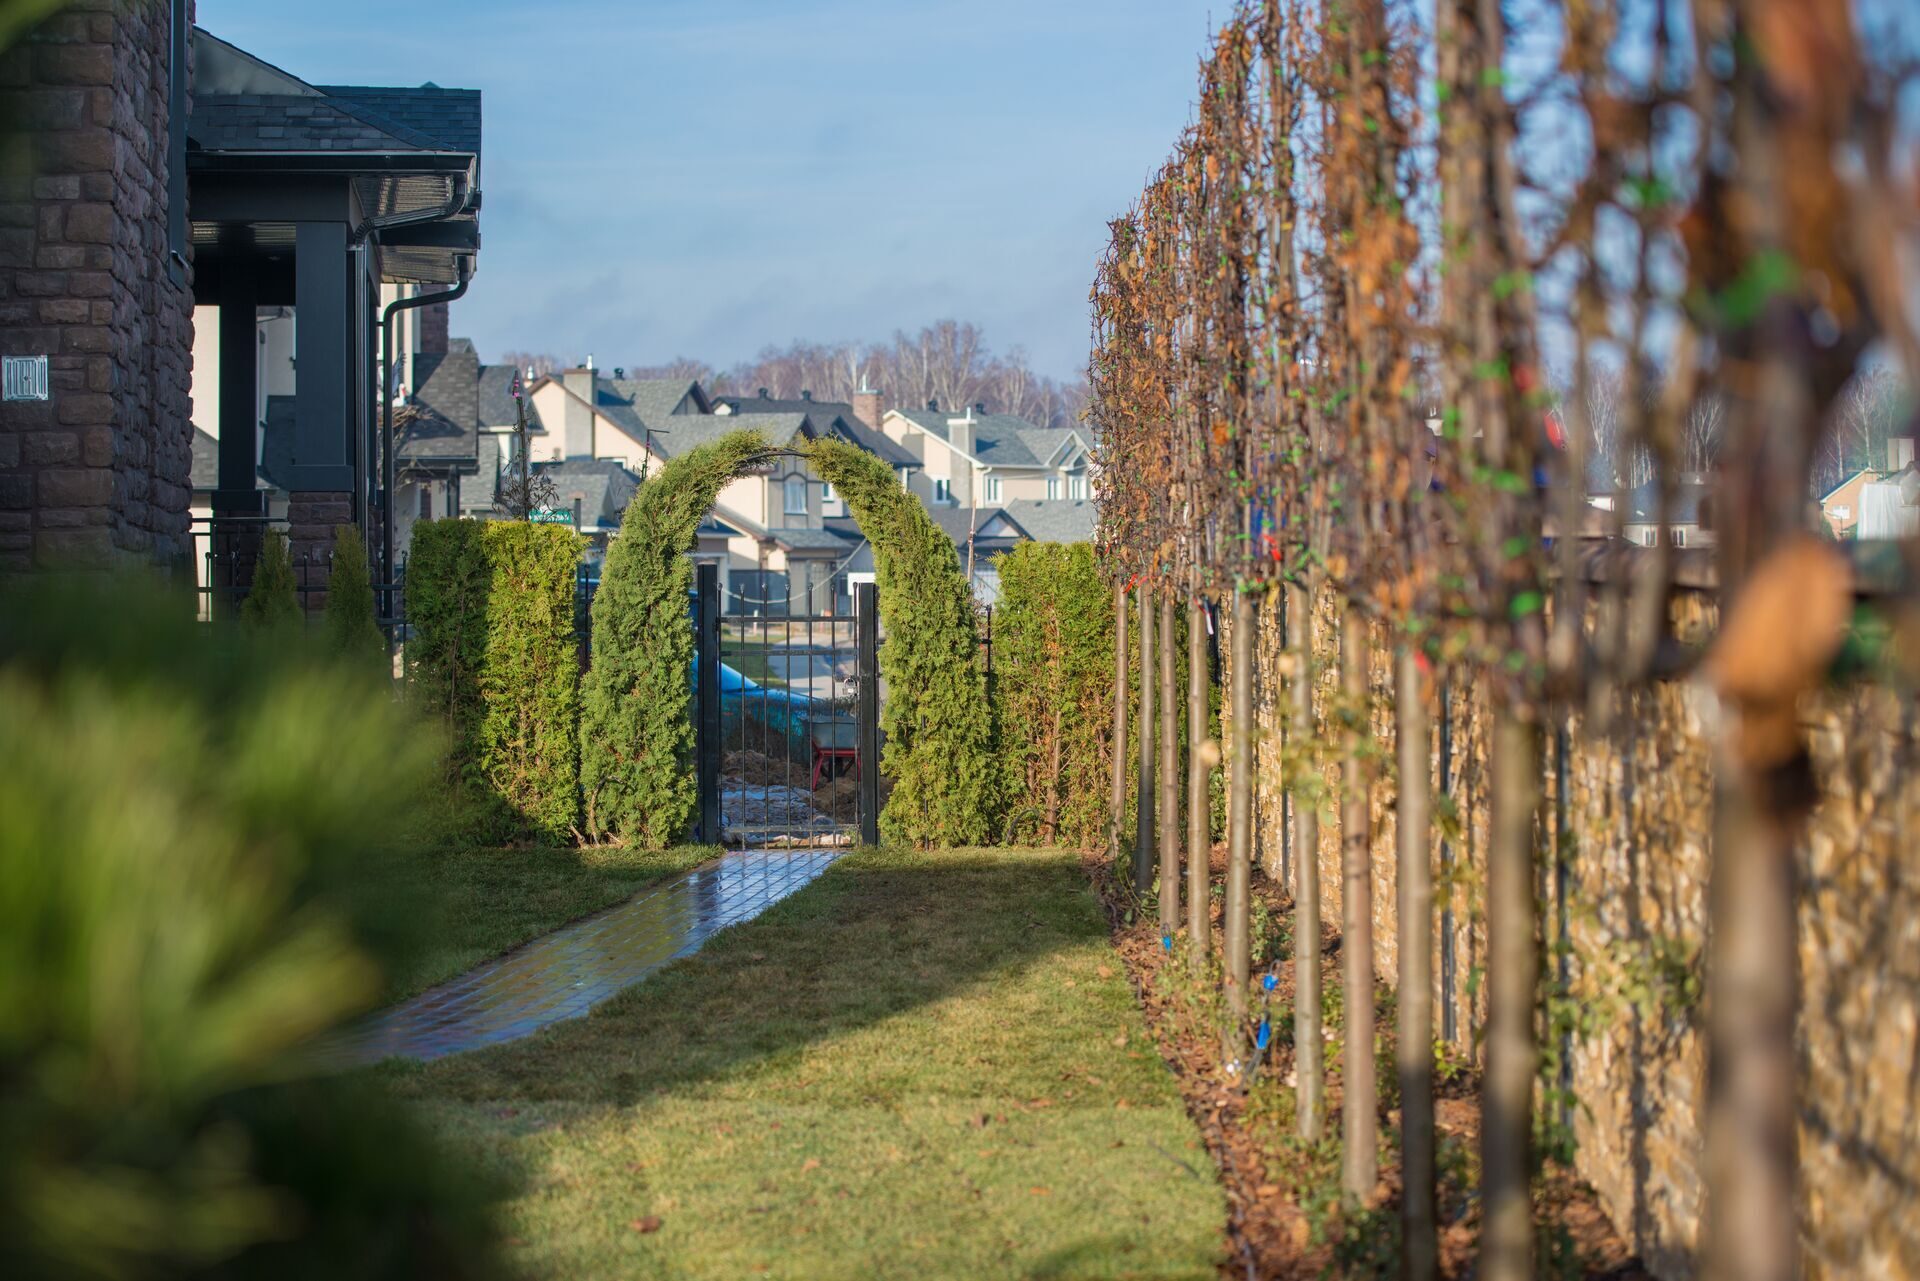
<point x="351" y="630"/>
<point x="530" y="675"/>
<point x="636" y="730"/>
<point x="1053" y="693"/>
<point x="935" y="715"/>
<point x="492" y="658"/>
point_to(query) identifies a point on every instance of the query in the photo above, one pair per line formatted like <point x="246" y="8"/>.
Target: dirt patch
<point x="1284" y="1217"/>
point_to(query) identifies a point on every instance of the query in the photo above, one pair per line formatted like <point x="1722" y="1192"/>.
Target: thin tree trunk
<point x="1414" y="1048"/>
<point x="1752" y="1224"/>
<point x="1143" y="859"/>
<point x="1199" y="886"/>
<point x="1169" y="772"/>
<point x="1506" y="1112"/>
<point x="1239" y="826"/>
<point x="1309" y="1067"/>
<point x="1117" y="798"/>
<point x="1359" y="1119"/>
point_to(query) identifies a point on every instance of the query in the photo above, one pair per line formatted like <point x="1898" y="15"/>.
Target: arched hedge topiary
<point x="636" y="736"/>
<point x="936" y="719"/>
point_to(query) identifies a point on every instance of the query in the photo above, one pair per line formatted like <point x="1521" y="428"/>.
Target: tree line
<point x="948" y="362"/>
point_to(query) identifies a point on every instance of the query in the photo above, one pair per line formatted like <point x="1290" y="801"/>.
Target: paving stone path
<point x="563" y="974"/>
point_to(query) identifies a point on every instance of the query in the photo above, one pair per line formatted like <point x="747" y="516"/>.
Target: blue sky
<point x="706" y="177"/>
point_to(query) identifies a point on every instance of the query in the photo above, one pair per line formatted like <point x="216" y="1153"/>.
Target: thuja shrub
<point x="448" y="581"/>
<point x="271" y="602"/>
<point x="491" y="659"/>
<point x="530" y="676"/>
<point x="935" y="716"/>
<point x="636" y="730"/>
<point x="351" y="632"/>
<point x="1053" y="693"/>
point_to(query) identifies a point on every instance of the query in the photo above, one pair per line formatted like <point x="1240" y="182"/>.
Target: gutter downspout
<point x="386" y="421"/>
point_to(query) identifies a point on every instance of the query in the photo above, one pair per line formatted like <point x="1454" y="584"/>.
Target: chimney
<point x="867" y="407"/>
<point x="433" y="328"/>
<point x="805" y="394"/>
<point x="980" y="407"/>
<point x="763" y="394"/>
<point x="960" y="432"/>
<point x="577" y="426"/>
<point x="933" y="405"/>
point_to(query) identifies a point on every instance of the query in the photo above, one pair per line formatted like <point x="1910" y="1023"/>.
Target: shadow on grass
<point x="881" y="934"/>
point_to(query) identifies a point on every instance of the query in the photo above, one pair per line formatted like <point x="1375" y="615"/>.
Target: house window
<point x="1053" y="489"/>
<point x="1077" y="487"/>
<point x="942" y="491"/>
<point x="993" y="489"/>
<point x="826" y="492"/>
<point x="1679" y="536"/>
<point x="796" y="496"/>
<point x="426" y="502"/>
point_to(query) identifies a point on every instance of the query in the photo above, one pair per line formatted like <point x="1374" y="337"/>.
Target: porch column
<point x="321" y="479"/>
<point x="234" y="544"/>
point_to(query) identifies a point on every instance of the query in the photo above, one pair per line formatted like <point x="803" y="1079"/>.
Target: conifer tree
<point x="351" y="631"/>
<point x="271" y="604"/>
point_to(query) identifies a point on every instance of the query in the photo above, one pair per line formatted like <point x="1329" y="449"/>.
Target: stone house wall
<point x="99" y="473"/>
<point x="1637" y="846"/>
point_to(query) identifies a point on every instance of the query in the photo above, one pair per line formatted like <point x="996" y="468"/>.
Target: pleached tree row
<point x="1342" y="351"/>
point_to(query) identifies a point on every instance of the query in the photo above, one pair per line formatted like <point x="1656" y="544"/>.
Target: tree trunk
<point x="1169" y="772"/>
<point x="1418" y="1255"/>
<point x="1752" y="1222"/>
<point x="1506" y="1112"/>
<point x="1199" y="799"/>
<point x="1117" y="799"/>
<point x="1143" y="816"/>
<point x="1309" y="1067"/>
<point x="1359" y="1120"/>
<point x="1239" y="826"/>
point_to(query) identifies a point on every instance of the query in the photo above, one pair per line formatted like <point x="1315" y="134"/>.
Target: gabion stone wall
<point x="1635" y="832"/>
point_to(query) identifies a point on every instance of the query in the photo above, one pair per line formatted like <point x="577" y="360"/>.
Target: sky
<point x="706" y="178"/>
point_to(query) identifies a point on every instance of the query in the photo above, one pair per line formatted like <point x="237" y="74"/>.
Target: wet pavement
<point x="564" y="974"/>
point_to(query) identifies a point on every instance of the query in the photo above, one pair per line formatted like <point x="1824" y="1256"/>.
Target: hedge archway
<point x="636" y="737"/>
<point x="936" y="718"/>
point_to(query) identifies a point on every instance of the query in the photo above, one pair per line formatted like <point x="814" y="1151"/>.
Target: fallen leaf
<point x="980" y="1122"/>
<point x="1104" y="971"/>
<point x="1120" y="1042"/>
<point x="650" y="1223"/>
<point x="1041" y="1191"/>
<point x="1066" y="983"/>
<point x="811" y="1163"/>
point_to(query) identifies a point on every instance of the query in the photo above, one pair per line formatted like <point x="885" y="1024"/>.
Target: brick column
<point x="311" y="519"/>
<point x="99" y="472"/>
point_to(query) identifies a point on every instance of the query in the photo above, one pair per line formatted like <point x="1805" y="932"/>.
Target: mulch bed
<point x="1284" y="1221"/>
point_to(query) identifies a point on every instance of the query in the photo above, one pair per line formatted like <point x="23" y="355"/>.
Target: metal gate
<point x="787" y="720"/>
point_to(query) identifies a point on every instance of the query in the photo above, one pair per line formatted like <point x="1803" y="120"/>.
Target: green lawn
<point x="485" y="901"/>
<point x="923" y="1065"/>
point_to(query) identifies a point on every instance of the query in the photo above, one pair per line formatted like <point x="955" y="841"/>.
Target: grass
<point x="487" y="900"/>
<point x="923" y="1065"/>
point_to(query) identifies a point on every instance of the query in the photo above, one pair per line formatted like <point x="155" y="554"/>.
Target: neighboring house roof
<point x="1688" y="503"/>
<point x="494" y="399"/>
<point x="440" y="423"/>
<point x="206" y="460"/>
<point x="690" y="430"/>
<point x="603" y="486"/>
<point x="1864" y="474"/>
<point x="276" y="442"/>
<point x="1053" y="522"/>
<point x="480" y="489"/>
<point x="834" y="417"/>
<point x="999" y="440"/>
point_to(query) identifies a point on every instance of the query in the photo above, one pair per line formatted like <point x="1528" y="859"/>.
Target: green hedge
<point x="939" y="749"/>
<point x="492" y="658"/>
<point x="636" y="730"/>
<point x="1053" y="693"/>
<point x="351" y="630"/>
